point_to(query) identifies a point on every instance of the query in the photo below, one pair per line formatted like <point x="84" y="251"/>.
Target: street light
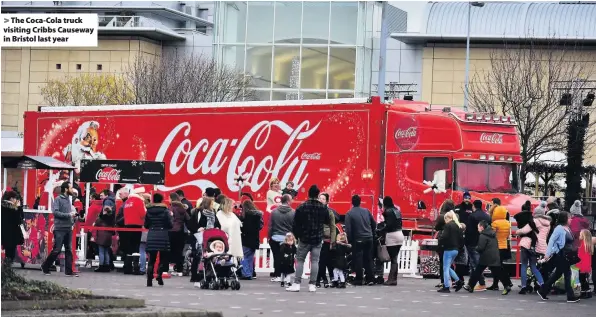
<point x="467" y="83"/>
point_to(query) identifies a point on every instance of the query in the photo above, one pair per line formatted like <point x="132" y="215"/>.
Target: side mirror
<point x="421" y="205"/>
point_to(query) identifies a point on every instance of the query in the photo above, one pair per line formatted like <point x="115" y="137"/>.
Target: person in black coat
<point x="340" y="260"/>
<point x="159" y="222"/>
<point x="488" y="248"/>
<point x="201" y="218"/>
<point x="12" y="219"/>
<point x="447" y="206"/>
<point x="451" y="241"/>
<point x="287" y="259"/>
<point x="471" y="237"/>
<point x="251" y="226"/>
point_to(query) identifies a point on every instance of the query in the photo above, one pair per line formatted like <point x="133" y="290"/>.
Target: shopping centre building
<point x="293" y="49"/>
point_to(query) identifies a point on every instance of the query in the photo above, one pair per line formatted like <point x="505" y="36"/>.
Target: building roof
<point x="447" y="21"/>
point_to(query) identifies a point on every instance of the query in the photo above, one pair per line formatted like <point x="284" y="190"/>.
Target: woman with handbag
<point x="394" y="237"/>
<point x="451" y="241"/>
<point x="12" y="224"/>
<point x="561" y="253"/>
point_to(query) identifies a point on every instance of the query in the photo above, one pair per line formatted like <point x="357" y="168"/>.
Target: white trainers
<point x="276" y="279"/>
<point x="312" y="288"/>
<point x="293" y="288"/>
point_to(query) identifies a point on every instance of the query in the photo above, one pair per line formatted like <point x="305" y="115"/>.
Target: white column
<point x="25" y="187"/>
<point x="5" y="180"/>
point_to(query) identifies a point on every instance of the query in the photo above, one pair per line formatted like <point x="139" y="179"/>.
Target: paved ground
<point x="412" y="297"/>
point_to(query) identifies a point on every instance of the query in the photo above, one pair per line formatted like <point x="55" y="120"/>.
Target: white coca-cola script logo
<point x="208" y="156"/>
<point x="494" y="138"/>
<point x="311" y="156"/>
<point x="407" y="133"/>
<point x="108" y="175"/>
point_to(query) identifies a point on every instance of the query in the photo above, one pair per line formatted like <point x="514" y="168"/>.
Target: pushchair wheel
<point x="226" y="284"/>
<point x="235" y="285"/>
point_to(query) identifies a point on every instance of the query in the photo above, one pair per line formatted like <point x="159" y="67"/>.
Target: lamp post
<point x="382" y="51"/>
<point x="467" y="80"/>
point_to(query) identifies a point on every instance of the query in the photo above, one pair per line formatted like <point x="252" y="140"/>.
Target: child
<point x="340" y="262"/>
<point x="104" y="239"/>
<point x="288" y="258"/>
<point x="585" y="252"/>
<point x="289" y="190"/>
<point x="526" y="225"/>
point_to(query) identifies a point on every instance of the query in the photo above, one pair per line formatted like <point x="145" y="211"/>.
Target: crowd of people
<point x="551" y="241"/>
<point x="470" y="238"/>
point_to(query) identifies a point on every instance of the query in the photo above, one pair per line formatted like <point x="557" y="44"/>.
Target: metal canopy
<point x="35" y="162"/>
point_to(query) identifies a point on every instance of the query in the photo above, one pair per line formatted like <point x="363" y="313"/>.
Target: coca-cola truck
<point x="345" y="146"/>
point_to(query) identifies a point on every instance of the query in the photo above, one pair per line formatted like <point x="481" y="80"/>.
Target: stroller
<point x="219" y="266"/>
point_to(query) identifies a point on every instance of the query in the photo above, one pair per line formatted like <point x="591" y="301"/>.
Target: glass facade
<point x="298" y="50"/>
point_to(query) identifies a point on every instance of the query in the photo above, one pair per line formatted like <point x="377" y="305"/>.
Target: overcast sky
<point x="415" y="11"/>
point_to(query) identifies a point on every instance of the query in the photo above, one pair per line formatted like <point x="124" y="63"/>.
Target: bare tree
<point x="87" y="90"/>
<point x="175" y="78"/>
<point x="527" y="81"/>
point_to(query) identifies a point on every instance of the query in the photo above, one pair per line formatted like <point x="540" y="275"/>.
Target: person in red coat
<point x="585" y="252"/>
<point x="134" y="211"/>
<point x="95" y="208"/>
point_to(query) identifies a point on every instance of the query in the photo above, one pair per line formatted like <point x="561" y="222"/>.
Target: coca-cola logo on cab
<point x="492" y="138"/>
<point x="406" y="133"/>
<point x="108" y="175"/>
<point x="311" y="156"/>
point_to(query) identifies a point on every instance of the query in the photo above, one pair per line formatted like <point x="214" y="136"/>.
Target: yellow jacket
<point x="502" y="226"/>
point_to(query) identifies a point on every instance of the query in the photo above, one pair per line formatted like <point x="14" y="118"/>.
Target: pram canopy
<point x="210" y="235"/>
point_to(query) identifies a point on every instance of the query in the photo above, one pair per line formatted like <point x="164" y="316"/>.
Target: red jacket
<point x="134" y="211"/>
<point x="95" y="208"/>
<point x="585" y="265"/>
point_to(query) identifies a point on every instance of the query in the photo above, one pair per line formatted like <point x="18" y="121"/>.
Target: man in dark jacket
<point x="309" y="221"/>
<point x="184" y="201"/>
<point x="280" y="223"/>
<point x="360" y="229"/>
<point x="471" y="240"/>
<point x="64" y="215"/>
<point x="488" y="248"/>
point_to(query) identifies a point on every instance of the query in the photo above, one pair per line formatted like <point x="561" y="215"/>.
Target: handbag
<point x="462" y="257"/>
<point x="382" y="253"/>
<point x="24" y="232"/>
<point x="572" y="257"/>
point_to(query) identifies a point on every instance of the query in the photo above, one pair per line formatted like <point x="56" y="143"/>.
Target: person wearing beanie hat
<point x="540" y="210"/>
<point x="578" y="222"/>
<point x="471" y="240"/>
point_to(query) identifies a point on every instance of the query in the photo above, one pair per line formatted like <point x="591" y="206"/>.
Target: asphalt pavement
<point x="261" y="297"/>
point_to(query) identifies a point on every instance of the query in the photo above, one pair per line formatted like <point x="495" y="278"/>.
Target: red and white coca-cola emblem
<point x="311" y="156"/>
<point x="492" y="138"/>
<point x="108" y="175"/>
<point x="406" y="133"/>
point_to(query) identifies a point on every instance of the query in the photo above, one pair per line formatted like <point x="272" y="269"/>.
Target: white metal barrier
<point x="407" y="259"/>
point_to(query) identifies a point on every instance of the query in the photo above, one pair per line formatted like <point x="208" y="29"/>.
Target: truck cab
<point x="478" y="153"/>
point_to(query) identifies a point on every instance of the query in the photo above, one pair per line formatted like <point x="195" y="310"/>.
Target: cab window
<point x="433" y="164"/>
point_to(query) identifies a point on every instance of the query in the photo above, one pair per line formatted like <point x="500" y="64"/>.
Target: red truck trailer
<point x="345" y="146"/>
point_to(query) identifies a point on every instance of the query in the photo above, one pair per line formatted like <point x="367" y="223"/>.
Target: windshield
<point x="486" y="176"/>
